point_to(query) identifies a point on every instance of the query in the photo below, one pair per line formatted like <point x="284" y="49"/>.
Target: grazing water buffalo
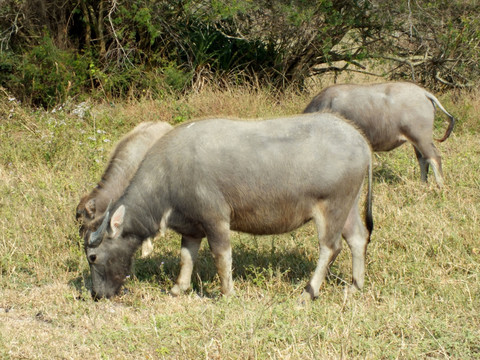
<point x="205" y="178"/>
<point x="123" y="164"/>
<point x="389" y="114"/>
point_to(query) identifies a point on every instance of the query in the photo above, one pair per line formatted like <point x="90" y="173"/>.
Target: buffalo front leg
<point x="188" y="255"/>
<point x="219" y="242"/>
<point x="147" y="247"/>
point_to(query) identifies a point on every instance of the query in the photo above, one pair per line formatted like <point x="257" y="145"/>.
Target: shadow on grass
<point x="382" y="173"/>
<point x="82" y="284"/>
<point x="249" y="264"/>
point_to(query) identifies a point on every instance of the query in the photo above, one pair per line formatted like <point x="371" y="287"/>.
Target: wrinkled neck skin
<point x="142" y="216"/>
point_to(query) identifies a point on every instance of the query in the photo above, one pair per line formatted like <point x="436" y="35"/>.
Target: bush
<point x="129" y="48"/>
<point x="45" y="75"/>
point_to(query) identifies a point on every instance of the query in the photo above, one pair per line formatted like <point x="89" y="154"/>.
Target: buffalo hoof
<point x="349" y="291"/>
<point x="304" y="299"/>
<point x="176" y="291"/>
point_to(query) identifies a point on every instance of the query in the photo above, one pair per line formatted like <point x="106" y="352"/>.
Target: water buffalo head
<point x="85" y="214"/>
<point x="109" y="253"/>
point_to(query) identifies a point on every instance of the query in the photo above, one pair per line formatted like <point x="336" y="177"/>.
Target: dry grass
<point x="422" y="291"/>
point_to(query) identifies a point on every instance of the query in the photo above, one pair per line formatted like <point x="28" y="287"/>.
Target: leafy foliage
<point x="44" y="74"/>
<point x="131" y="47"/>
<point x="286" y="39"/>
<point x="436" y="43"/>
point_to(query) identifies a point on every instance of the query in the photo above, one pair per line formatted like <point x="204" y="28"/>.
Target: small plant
<point x="176" y="79"/>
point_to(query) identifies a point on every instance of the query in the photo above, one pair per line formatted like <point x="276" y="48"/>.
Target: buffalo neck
<point x="112" y="185"/>
<point x="143" y="214"/>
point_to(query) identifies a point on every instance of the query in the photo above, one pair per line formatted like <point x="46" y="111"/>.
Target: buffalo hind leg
<point x="423" y="164"/>
<point x="188" y="255"/>
<point x="219" y="242"/>
<point x="356" y="236"/>
<point x="330" y="246"/>
<point x="431" y="156"/>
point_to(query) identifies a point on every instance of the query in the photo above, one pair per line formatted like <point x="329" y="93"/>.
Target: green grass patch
<point x="422" y="291"/>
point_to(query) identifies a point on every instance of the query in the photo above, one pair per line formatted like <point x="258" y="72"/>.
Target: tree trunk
<point x="101" y="27"/>
<point x="88" y="27"/>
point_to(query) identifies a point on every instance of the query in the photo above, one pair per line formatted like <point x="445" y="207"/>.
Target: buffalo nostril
<point x="92" y="258"/>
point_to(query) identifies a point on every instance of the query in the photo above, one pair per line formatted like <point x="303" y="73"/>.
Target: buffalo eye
<point x="92" y="258"/>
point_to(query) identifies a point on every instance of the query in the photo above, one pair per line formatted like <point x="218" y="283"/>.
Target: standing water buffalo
<point x="389" y="114"/>
<point x="205" y="178"/>
<point x="123" y="164"/>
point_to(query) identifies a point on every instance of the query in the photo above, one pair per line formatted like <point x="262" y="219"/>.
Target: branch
<point x="449" y="83"/>
<point x="7" y="34"/>
<point x="415" y="60"/>
<point x="241" y="37"/>
<point x="112" y="10"/>
<point x="344" y="68"/>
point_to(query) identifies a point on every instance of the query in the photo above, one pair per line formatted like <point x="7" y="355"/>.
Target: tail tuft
<point x="449" y="129"/>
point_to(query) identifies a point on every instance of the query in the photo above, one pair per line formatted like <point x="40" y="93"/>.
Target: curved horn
<point x="97" y="236"/>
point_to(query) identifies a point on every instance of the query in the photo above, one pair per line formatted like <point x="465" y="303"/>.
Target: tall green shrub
<point x="125" y="48"/>
<point x="45" y="75"/>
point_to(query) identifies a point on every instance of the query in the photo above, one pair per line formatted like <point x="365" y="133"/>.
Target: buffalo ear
<point x="116" y="221"/>
<point x="90" y="208"/>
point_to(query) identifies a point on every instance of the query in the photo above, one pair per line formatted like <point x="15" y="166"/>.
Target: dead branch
<point x="115" y="36"/>
<point x="337" y="69"/>
<point x="7" y="34"/>
<point x="449" y="83"/>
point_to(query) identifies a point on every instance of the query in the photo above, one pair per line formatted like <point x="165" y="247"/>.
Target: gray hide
<point x="208" y="177"/>
<point x="389" y="114"/>
<point x="123" y="164"/>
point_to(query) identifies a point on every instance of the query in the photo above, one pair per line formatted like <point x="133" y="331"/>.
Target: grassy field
<point x="422" y="293"/>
